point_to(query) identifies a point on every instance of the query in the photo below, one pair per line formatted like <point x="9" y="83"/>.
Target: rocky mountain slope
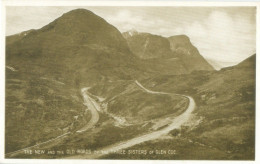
<point x="189" y="55"/>
<point x="147" y="46"/>
<point x="177" y="49"/>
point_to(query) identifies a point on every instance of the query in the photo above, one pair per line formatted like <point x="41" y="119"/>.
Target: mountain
<point x="177" y="50"/>
<point x="130" y="33"/>
<point x="147" y="46"/>
<point x="217" y="64"/>
<point x="78" y="26"/>
<point x="84" y="47"/>
<point x="189" y="54"/>
<point x="13" y="38"/>
<point x="47" y="67"/>
<point x="250" y="62"/>
<point x="79" y="45"/>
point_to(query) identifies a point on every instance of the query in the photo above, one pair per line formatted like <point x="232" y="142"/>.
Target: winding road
<point x="93" y="106"/>
<point x="176" y="123"/>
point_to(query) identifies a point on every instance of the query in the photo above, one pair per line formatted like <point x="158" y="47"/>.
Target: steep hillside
<point x="79" y="45"/>
<point x="78" y="26"/>
<point x="249" y="63"/>
<point x="147" y="46"/>
<point x="189" y="54"/>
<point x="176" y="50"/>
<point x="13" y="38"/>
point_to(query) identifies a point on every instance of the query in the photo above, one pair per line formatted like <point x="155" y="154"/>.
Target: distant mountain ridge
<point x="192" y="59"/>
<point x="149" y="46"/>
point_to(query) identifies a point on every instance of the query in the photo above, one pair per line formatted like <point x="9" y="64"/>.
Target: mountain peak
<point x="83" y="27"/>
<point x="130" y="33"/>
<point x="133" y="31"/>
<point x="148" y="46"/>
<point x="78" y="20"/>
<point x="80" y="14"/>
<point x="180" y="39"/>
<point x="80" y="11"/>
<point x="181" y="45"/>
<point x="76" y="28"/>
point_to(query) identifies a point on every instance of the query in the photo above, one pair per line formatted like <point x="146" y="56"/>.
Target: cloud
<point x="126" y="20"/>
<point x="222" y="37"/>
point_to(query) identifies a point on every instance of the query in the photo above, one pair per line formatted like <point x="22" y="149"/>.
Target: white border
<point x="121" y="3"/>
<point x="5" y="3"/>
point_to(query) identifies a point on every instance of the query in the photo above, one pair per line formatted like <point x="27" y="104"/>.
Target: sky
<point x="224" y="36"/>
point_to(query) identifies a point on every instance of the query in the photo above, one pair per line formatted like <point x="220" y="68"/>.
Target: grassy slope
<point x="138" y="105"/>
<point x="106" y="132"/>
<point x="38" y="108"/>
<point x="225" y="112"/>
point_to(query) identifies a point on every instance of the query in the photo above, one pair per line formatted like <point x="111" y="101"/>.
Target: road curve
<point x="176" y="123"/>
<point x="93" y="107"/>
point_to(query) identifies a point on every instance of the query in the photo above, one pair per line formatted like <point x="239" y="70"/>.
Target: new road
<point x="93" y="106"/>
<point x="176" y="123"/>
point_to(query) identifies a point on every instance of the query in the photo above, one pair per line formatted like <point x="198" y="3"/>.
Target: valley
<point x="175" y="123"/>
<point x="78" y="83"/>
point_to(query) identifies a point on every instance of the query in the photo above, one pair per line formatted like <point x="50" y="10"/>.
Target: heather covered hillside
<point x="223" y="124"/>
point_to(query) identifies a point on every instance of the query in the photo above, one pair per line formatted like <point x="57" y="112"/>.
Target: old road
<point x="92" y="105"/>
<point x="176" y="123"/>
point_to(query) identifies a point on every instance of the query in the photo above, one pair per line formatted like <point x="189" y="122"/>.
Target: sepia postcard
<point x="128" y="80"/>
